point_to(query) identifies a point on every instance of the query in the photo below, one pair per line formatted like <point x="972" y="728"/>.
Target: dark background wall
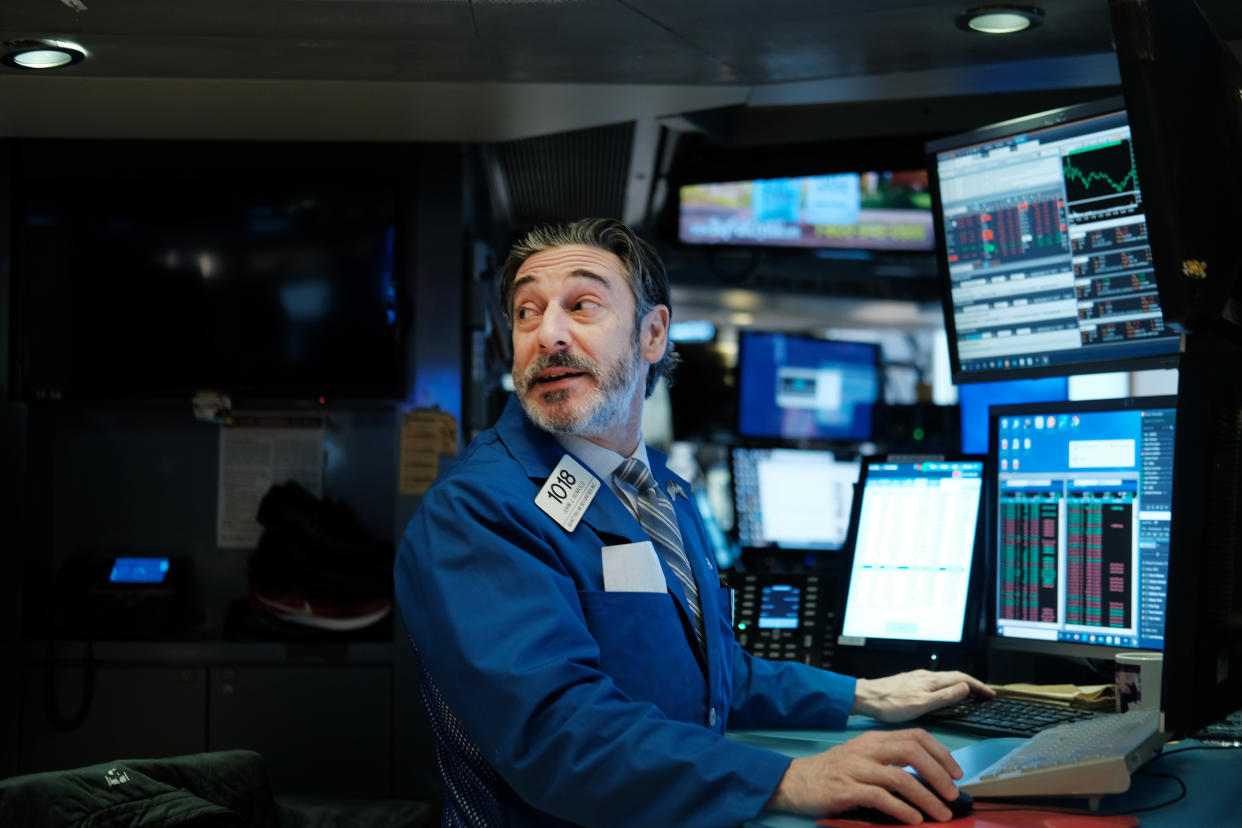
<point x="332" y="714"/>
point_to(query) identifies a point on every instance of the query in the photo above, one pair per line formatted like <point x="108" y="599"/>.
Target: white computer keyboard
<point x="1088" y="758"/>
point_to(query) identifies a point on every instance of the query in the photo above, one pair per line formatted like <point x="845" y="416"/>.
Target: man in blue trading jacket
<point x="575" y="645"/>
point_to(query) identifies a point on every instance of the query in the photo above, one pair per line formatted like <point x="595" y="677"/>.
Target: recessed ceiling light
<point x="42" y="54"/>
<point x="999" y="19"/>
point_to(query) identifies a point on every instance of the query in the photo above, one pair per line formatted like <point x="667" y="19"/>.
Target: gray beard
<point x="607" y="407"/>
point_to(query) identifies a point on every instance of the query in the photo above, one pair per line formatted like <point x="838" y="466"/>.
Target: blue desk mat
<point x="1212" y="778"/>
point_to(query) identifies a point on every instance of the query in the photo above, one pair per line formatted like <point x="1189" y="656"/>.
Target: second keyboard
<point x="1004" y="717"/>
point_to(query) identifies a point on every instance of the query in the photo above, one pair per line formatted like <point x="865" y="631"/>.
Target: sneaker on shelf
<point x="297" y="607"/>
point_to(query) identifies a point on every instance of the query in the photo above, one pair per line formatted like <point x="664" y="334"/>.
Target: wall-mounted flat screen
<point x="856" y="210"/>
<point x="219" y="277"/>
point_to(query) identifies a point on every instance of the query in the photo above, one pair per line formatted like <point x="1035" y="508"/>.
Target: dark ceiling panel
<point x="593" y="41"/>
<point x="256" y="58"/>
<point x="276" y="19"/>
<point x="793" y="40"/>
<point x="643" y="55"/>
<point x="750" y="42"/>
<point x="566" y="176"/>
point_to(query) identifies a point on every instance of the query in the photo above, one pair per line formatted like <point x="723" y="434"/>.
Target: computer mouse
<point x="959" y="807"/>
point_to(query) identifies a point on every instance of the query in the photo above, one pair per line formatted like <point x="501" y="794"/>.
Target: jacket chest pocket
<point x="644" y="649"/>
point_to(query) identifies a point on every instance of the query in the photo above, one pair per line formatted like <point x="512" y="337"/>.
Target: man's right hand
<point x="868" y="771"/>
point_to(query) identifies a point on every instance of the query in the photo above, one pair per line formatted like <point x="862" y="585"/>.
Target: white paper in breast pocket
<point x="632" y="567"/>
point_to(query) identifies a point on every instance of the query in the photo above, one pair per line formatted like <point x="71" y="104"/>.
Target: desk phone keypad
<point x="784" y="616"/>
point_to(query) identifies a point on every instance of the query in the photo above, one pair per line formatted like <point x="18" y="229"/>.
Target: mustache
<point x="560" y="359"/>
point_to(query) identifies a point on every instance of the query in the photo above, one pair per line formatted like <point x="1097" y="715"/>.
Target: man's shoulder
<point x="497" y="460"/>
<point x="485" y="458"/>
<point x="488" y="486"/>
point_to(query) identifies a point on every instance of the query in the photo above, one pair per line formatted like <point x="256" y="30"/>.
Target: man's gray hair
<point x="647" y="277"/>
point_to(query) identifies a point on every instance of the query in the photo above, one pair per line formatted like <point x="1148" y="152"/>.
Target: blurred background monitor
<point x="796" y="499"/>
<point x="975" y="398"/>
<point x="801" y="388"/>
<point x="855" y="210"/>
<point x="141" y="277"/>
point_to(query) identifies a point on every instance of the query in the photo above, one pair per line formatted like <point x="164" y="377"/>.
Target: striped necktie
<point x="659" y="521"/>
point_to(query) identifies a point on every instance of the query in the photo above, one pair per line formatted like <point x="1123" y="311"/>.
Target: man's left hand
<point x="909" y="695"/>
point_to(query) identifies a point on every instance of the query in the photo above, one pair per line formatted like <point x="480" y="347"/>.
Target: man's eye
<point x="525" y="313"/>
<point x="587" y="304"/>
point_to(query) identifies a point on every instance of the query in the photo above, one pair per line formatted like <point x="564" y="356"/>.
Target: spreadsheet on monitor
<point x="913" y="551"/>
<point x="1084" y="498"/>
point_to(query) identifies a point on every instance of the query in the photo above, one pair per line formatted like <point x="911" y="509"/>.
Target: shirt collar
<point x="601" y="461"/>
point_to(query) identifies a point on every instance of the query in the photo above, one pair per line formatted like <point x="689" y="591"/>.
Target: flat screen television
<point x="138" y="280"/>
<point x="799" y="388"/>
<point x="854" y="211"/>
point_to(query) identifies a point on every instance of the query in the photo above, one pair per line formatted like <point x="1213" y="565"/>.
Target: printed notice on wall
<point x="425" y="435"/>
<point x="256" y="453"/>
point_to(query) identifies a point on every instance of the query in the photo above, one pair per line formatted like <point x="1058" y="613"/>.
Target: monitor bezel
<point x="1070" y="649"/>
<point x="923" y="649"/>
<point x="999" y="130"/>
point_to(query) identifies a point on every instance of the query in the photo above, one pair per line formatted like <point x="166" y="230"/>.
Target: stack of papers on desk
<point x="1088" y="696"/>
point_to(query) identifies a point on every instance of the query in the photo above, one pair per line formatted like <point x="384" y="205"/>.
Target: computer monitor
<point x="914" y="552"/>
<point x="1079" y="523"/>
<point x="794" y="387"/>
<point x="974" y="399"/>
<point x="875" y="210"/>
<point x="1042" y="244"/>
<point x="795" y="499"/>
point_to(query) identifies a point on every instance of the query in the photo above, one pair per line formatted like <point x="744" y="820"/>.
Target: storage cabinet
<point x="130" y="713"/>
<point x="323" y="719"/>
<point x="319" y="728"/>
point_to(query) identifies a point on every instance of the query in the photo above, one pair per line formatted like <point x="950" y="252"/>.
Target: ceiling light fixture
<point x="999" y="19"/>
<point x="42" y="54"/>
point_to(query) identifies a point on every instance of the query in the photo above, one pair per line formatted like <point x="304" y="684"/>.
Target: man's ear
<point x="653" y="334"/>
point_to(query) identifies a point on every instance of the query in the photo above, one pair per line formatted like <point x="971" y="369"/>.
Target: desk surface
<point x="1213" y="778"/>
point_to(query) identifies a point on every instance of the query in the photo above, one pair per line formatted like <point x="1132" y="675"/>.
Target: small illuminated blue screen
<point x="138" y="571"/>
<point x="778" y="607"/>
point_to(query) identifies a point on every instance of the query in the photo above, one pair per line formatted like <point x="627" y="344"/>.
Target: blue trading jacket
<point x="591" y="706"/>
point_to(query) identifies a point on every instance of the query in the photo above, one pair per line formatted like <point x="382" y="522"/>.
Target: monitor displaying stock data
<point x="1080" y="529"/>
<point x="914" y="551"/>
<point x="1044" y="250"/>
